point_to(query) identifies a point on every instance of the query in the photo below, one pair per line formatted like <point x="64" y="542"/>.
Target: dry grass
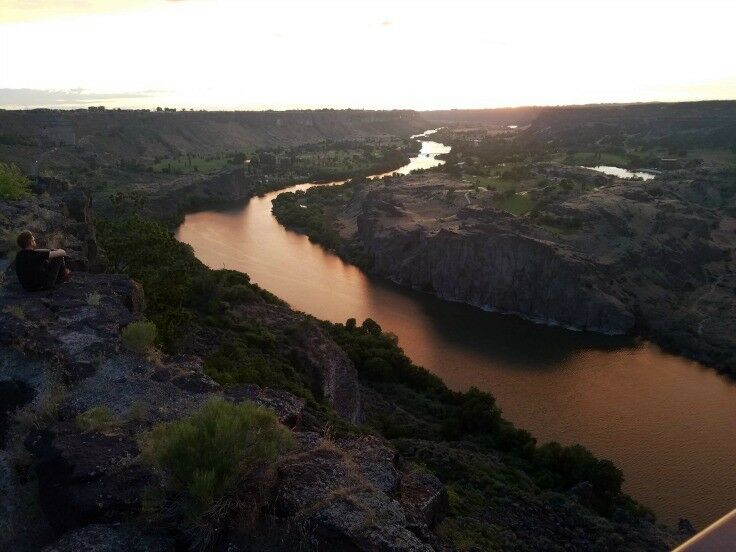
<point x="93" y="299"/>
<point x="97" y="419"/>
<point x="139" y="411"/>
<point x="15" y="310"/>
<point x="355" y="483"/>
<point x="43" y="412"/>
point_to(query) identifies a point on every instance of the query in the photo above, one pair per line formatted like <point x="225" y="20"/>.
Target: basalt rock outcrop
<point x="653" y="258"/>
<point x="310" y="347"/>
<point x="62" y="355"/>
<point x="66" y="487"/>
<point x="485" y="258"/>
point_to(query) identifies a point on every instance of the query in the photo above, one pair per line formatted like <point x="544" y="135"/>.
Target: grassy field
<point x="592" y="159"/>
<point x="193" y="163"/>
<point x="515" y="204"/>
<point x="725" y="158"/>
<point x="492" y="182"/>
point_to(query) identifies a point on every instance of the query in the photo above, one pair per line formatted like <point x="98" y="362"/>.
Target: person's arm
<point x="57" y="253"/>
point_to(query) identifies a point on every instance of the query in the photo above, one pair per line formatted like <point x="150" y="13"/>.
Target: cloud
<point x="24" y="98"/>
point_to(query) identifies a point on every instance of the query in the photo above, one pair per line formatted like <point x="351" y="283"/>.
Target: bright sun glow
<point x="363" y="54"/>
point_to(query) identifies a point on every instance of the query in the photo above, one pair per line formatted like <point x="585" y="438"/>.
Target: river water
<point x="667" y="422"/>
<point x="621" y="173"/>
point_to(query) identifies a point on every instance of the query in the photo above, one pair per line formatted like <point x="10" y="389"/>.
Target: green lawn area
<point x="726" y="158"/>
<point x="195" y="163"/>
<point x="492" y="182"/>
<point x="516" y="204"/>
<point x="592" y="159"/>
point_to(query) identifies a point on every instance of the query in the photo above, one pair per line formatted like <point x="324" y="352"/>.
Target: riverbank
<point x="578" y="262"/>
<point x="567" y="377"/>
<point x="366" y="433"/>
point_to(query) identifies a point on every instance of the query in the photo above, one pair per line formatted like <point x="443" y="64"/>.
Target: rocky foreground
<point x="67" y="487"/>
<point x="654" y="258"/>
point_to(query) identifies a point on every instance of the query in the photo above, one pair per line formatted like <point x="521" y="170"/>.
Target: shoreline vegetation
<point x="427" y="423"/>
<point x="534" y="176"/>
<point x="244" y="176"/>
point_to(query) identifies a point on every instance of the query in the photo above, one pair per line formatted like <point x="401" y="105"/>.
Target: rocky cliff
<point x="68" y="487"/>
<point x="62" y="355"/>
<point x="485" y="258"/>
<point x="620" y="257"/>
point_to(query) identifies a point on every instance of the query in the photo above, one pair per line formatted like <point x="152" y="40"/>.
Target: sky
<point x="288" y="54"/>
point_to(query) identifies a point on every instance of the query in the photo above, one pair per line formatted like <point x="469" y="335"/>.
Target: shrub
<point x="16" y="311"/>
<point x="93" y="299"/>
<point x="179" y="289"/>
<point x="13" y="183"/>
<point x="97" y="418"/>
<point x="205" y="454"/>
<point x="138" y="411"/>
<point x="139" y="336"/>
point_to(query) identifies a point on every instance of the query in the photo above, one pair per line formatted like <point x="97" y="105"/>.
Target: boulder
<point x="424" y="499"/>
<point x="338" y="491"/>
<point x="111" y="538"/>
<point x="317" y="354"/>
<point x="76" y="325"/>
<point x="288" y="407"/>
<point x="87" y="477"/>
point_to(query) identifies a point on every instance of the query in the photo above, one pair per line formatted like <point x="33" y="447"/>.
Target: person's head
<point x="26" y="240"/>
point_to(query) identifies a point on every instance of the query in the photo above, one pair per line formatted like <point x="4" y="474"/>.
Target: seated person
<point x="39" y="269"/>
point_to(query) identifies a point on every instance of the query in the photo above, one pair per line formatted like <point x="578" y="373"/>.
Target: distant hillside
<point x="687" y="124"/>
<point x="707" y="124"/>
<point x="519" y="116"/>
<point x="65" y="137"/>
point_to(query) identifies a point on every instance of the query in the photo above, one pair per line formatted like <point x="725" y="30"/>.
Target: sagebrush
<point x="204" y="454"/>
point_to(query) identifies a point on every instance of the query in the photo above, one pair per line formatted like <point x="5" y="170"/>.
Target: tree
<point x="13" y="183"/>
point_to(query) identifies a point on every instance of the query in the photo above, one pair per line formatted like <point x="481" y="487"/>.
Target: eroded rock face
<point x="76" y="325"/>
<point x="342" y="493"/>
<point x="111" y="538"/>
<point x="60" y="221"/>
<point x="490" y="261"/>
<point x="87" y="477"/>
<point x="654" y="258"/>
<point x="316" y="352"/>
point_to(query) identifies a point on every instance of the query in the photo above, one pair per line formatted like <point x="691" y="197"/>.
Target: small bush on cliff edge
<point x="139" y="336"/>
<point x="96" y="419"/>
<point x="205" y="454"/>
<point x="13" y="183"/>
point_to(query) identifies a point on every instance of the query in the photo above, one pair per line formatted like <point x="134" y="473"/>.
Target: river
<point x="667" y="422"/>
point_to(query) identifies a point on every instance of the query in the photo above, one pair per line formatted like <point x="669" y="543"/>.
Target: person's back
<point x="39" y="269"/>
<point x="29" y="266"/>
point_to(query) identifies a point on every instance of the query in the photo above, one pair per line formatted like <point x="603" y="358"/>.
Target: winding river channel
<point x="667" y="422"/>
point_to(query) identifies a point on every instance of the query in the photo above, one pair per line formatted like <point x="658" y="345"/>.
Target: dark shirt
<point x="31" y="267"/>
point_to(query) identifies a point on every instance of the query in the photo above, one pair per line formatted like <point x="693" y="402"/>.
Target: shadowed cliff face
<point x="485" y="259"/>
<point x="655" y="258"/>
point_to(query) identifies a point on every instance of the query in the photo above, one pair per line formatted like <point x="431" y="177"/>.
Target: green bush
<point x="94" y="299"/>
<point x="97" y="418"/>
<point x="179" y="288"/>
<point x="205" y="454"/>
<point x="13" y="183"/>
<point x="139" y="336"/>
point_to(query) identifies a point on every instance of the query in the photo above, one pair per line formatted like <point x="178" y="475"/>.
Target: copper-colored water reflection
<point x="668" y="423"/>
